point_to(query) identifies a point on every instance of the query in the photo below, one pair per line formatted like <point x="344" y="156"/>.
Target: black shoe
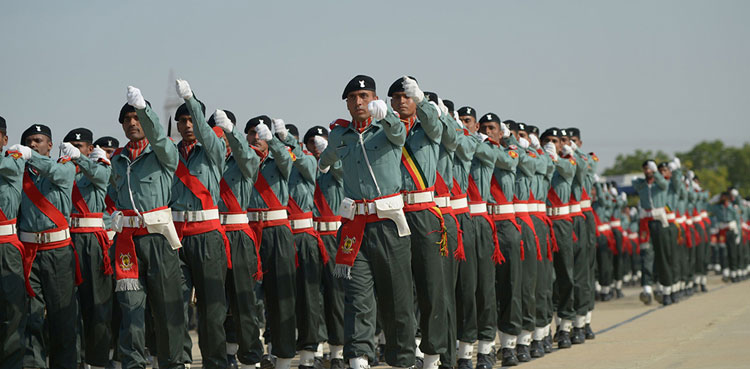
<point x="318" y="363"/>
<point x="619" y="293"/>
<point x="646" y="298"/>
<point x="268" y="362"/>
<point x="484" y="361"/>
<point x="547" y="344"/>
<point x="703" y="288"/>
<point x="606" y="296"/>
<point x="522" y="353"/>
<point x="589" y="332"/>
<point x="466" y="364"/>
<point x="675" y="297"/>
<point x="381" y="353"/>
<point x="659" y="297"/>
<point x="441" y="366"/>
<point x="598" y="296"/>
<point x="232" y="362"/>
<point x="577" y="336"/>
<point x="725" y="279"/>
<point x="509" y="357"/>
<point x="666" y="301"/>
<point x="493" y="355"/>
<point x="563" y="340"/>
<point x="419" y="363"/>
<point x="536" y="349"/>
<point x="557" y="334"/>
<point x="338" y="364"/>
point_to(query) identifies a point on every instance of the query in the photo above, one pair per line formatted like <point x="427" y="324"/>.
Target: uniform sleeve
<point x="304" y="163"/>
<point x="214" y="146"/>
<point x="449" y="137"/>
<point x="165" y="149"/>
<point x="337" y="170"/>
<point x="467" y="145"/>
<point x="486" y="154"/>
<point x="97" y="172"/>
<point x="660" y="180"/>
<point x="11" y="168"/>
<point x="428" y="118"/>
<point x="394" y="128"/>
<point x="566" y="169"/>
<point x="60" y="174"/>
<point x="639" y="184"/>
<point x="281" y="156"/>
<point x="329" y="156"/>
<point x="247" y="160"/>
<point x="526" y="164"/>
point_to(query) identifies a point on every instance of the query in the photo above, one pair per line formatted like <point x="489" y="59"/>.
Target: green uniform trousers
<point x="14" y="303"/>
<point x="466" y="287"/>
<point x="590" y="228"/>
<point x="382" y="270"/>
<point x="618" y="260"/>
<point x="451" y="278"/>
<point x="309" y="310"/>
<point x="242" y="322"/>
<point x="508" y="282"/>
<point x="544" y="275"/>
<point x="529" y="266"/>
<point x="605" y="261"/>
<point x="428" y="270"/>
<point x="663" y="253"/>
<point x="486" y="271"/>
<point x="562" y="293"/>
<point x="333" y="295"/>
<point x="581" y="267"/>
<point x="53" y="275"/>
<point x="277" y="255"/>
<point x="733" y="251"/>
<point x="646" y="257"/>
<point x="702" y="253"/>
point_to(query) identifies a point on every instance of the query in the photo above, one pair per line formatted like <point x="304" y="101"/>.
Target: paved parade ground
<point x="710" y="330"/>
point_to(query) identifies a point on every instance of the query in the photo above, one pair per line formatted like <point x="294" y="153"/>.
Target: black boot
<point x="563" y="340"/>
<point x="536" y="349"/>
<point x="646" y="298"/>
<point x="522" y="353"/>
<point x="466" y="364"/>
<point x="338" y="364"/>
<point x="675" y="297"/>
<point x="704" y="288"/>
<point x="419" y="364"/>
<point x="484" y="361"/>
<point x="577" y="336"/>
<point x="547" y="344"/>
<point x="666" y="300"/>
<point x="589" y="332"/>
<point x="508" y="357"/>
<point x="619" y="293"/>
<point x="268" y="362"/>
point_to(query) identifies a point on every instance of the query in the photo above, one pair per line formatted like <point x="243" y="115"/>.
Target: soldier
<point x="241" y="167"/>
<point x="43" y="229"/>
<point x="88" y="233"/>
<point x="329" y="191"/>
<point x="107" y="143"/>
<point x="146" y="258"/>
<point x="670" y="172"/>
<point x="606" y="246"/>
<point x="13" y="272"/>
<point x="620" y="201"/>
<point x="374" y="252"/>
<point x="729" y="234"/>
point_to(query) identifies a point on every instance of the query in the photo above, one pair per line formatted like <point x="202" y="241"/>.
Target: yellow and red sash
<point x="233" y="207"/>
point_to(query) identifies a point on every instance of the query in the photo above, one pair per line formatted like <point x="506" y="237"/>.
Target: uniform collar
<point x="361" y="126"/>
<point x="186" y="148"/>
<point x="135" y="149"/>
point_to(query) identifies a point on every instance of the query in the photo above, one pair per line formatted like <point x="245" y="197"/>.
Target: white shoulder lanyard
<point x="367" y="161"/>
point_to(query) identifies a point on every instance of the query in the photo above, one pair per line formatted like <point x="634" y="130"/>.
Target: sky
<point x="655" y="75"/>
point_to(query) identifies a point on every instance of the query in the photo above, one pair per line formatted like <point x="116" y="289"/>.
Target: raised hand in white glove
<point x="99" y="154"/>
<point x="505" y="129"/>
<point x="567" y="150"/>
<point x="690" y="175"/>
<point x="264" y="133"/>
<point x="534" y="142"/>
<point x="524" y="143"/>
<point x="377" y="109"/>
<point x="613" y="191"/>
<point x="677" y="162"/>
<point x="597" y="178"/>
<point x="734" y="192"/>
<point x="320" y="143"/>
<point x="442" y="107"/>
<point x="411" y="89"/>
<point x="24" y="150"/>
<point x="222" y="121"/>
<point x="67" y="149"/>
<point x="437" y="107"/>
<point x="280" y="128"/>
<point x="651" y="165"/>
<point x="551" y="149"/>
<point x="482" y="137"/>
<point x="183" y="89"/>
<point x="456" y="117"/>
<point x="623" y="196"/>
<point x="135" y="98"/>
<point x="573" y="145"/>
<point x="672" y="166"/>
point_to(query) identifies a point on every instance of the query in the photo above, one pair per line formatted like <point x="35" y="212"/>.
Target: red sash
<point x="233" y="207"/>
<point x="497" y="193"/>
<point x="611" y="243"/>
<point x="644" y="234"/>
<point x="456" y="194"/>
<point x="126" y="268"/>
<point x="524" y="217"/>
<point x="273" y="203"/>
<point x="110" y="204"/>
<point x="476" y="198"/>
<point x="295" y="212"/>
<point x="196" y="187"/>
<point x="101" y="235"/>
<point x="541" y="215"/>
<point x="13" y="240"/>
<point x="441" y="189"/>
<point x="326" y="214"/>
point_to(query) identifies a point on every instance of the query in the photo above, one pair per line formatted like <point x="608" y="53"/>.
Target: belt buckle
<point x="38" y="238"/>
<point x="131" y="222"/>
<point x="75" y="222"/>
<point x="223" y="218"/>
<point x="263" y="215"/>
<point x="186" y="216"/>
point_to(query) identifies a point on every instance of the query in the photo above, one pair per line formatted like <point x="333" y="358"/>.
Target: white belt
<point x="412" y="198"/>
<point x="478" y="208"/>
<point x="111" y="235"/>
<point x="195" y="216"/>
<point x="575" y="208"/>
<point x="301" y="223"/>
<point x="503" y="209"/>
<point x="367" y="208"/>
<point x="155" y="222"/>
<point x="443" y="202"/>
<point x="689" y="221"/>
<point x="458" y="204"/>
<point x="327" y="226"/>
<point x="532" y="207"/>
<point x="731" y="225"/>
<point x="603" y="228"/>
<point x="541" y="208"/>
<point x="519" y="208"/>
<point x="556" y="211"/>
<point x="633" y="235"/>
<point x="704" y="214"/>
<point x="86" y="223"/>
<point x="671" y="216"/>
<point x="653" y="213"/>
<point x="257" y="216"/>
<point x="7" y="230"/>
<point x="697" y="219"/>
<point x="585" y="204"/>
<point x="42" y="238"/>
<point x="615" y="223"/>
<point x="227" y="219"/>
<point x="681" y="219"/>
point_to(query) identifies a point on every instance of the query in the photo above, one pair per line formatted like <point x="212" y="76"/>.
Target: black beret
<point x="574" y="132"/>
<point x="431" y="96"/>
<point x="554" y="132"/>
<point x="522" y="126"/>
<point x="79" y="134"/>
<point x="36" y="129"/>
<point x="490" y="117"/>
<point x="257" y="120"/>
<point x="2" y="123"/>
<point x="127" y="108"/>
<point x="183" y="110"/>
<point x="229" y="114"/>
<point x="293" y="130"/>
<point x="449" y="104"/>
<point x="564" y="133"/>
<point x="107" y="141"/>
<point x="646" y="162"/>
<point x="512" y="125"/>
<point x="533" y="130"/>
<point x="398" y="86"/>
<point x="360" y="82"/>
<point x="663" y="164"/>
<point x="315" y="131"/>
<point x="467" y="110"/>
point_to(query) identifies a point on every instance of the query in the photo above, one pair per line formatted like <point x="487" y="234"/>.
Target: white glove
<point x="135" y="98"/>
<point x="551" y="149"/>
<point x="280" y="128"/>
<point x="505" y="129"/>
<point x="613" y="191"/>
<point x="456" y="117"/>
<point x="651" y="165"/>
<point x="672" y="166"/>
<point x="534" y="142"/>
<point x="442" y="106"/>
<point x="623" y="196"/>
<point x="24" y="150"/>
<point x="222" y="121"/>
<point x="734" y="192"/>
<point x="377" y="109"/>
<point x="320" y="143"/>
<point x="183" y="89"/>
<point x="482" y="137"/>
<point x="323" y="170"/>
<point x="677" y="162"/>
<point x="524" y="143"/>
<point x="412" y="90"/>
<point x="99" y="154"/>
<point x="690" y="175"/>
<point x="264" y="133"/>
<point x="573" y="145"/>
<point x="66" y="149"/>
<point x="633" y="212"/>
<point x="437" y="107"/>
<point x="597" y="178"/>
<point x="567" y="150"/>
<point x="116" y="221"/>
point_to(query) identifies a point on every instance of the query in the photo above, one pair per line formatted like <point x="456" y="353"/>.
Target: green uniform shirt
<point x="92" y="180"/>
<point x="603" y="204"/>
<point x="652" y="195"/>
<point x="302" y="177"/>
<point x="505" y="170"/>
<point x="483" y="165"/>
<point x="467" y="145"/>
<point x="543" y="171"/>
<point x="275" y="168"/>
<point x="562" y="178"/>
<point x="240" y="170"/>
<point x="11" y="184"/>
<point x="55" y="181"/>
<point x="448" y="145"/>
<point x="582" y="179"/>
<point x="331" y="185"/>
<point x="675" y="191"/>
<point x="423" y="141"/>
<point x="525" y="173"/>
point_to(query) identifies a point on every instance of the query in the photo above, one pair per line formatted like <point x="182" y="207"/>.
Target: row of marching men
<point x="413" y="213"/>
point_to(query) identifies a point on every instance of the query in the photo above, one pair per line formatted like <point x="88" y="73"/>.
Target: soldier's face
<point x="109" y="151"/>
<point x="310" y="145"/>
<point x="404" y="105"/>
<point x="470" y="123"/>
<point x="356" y="103"/>
<point x="491" y="129"/>
<point x="132" y="127"/>
<point x="39" y="143"/>
<point x="554" y="140"/>
<point x="648" y="173"/>
<point x="3" y="140"/>
<point x="577" y="141"/>
<point x="84" y="147"/>
<point x="665" y="172"/>
<point x="252" y="139"/>
<point x="565" y="140"/>
<point x="522" y="134"/>
<point x="185" y="127"/>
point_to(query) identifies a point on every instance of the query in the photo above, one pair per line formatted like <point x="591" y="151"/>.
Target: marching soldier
<point x="43" y="229"/>
<point x="674" y="191"/>
<point x="606" y="246"/>
<point x="620" y="201"/>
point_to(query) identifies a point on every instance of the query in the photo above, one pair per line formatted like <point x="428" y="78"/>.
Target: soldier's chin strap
<point x="367" y="161"/>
